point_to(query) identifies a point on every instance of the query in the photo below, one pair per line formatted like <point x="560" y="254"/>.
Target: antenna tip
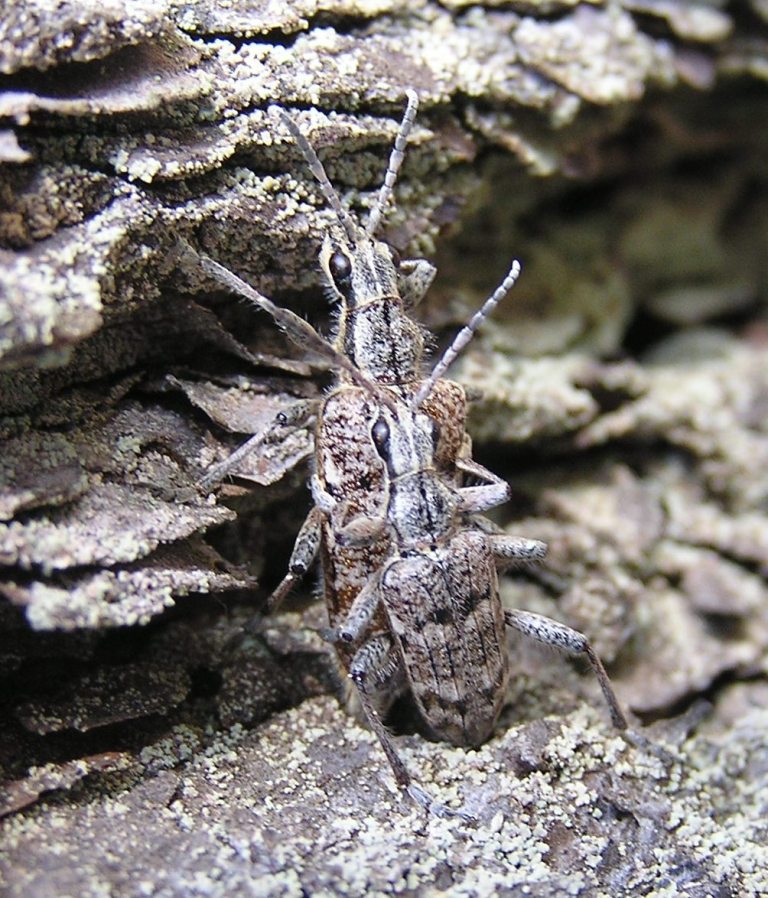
<point x="514" y="273"/>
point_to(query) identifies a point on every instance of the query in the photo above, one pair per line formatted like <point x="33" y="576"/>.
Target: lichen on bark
<point x="613" y="148"/>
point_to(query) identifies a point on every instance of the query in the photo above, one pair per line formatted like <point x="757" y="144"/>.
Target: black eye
<point x="340" y="267"/>
<point x="380" y="434"/>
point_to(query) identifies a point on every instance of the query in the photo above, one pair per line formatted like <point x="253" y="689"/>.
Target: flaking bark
<point x="613" y="148"/>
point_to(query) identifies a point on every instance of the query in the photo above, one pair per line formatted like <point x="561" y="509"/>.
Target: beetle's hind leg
<point x="550" y="632"/>
<point x="374" y="667"/>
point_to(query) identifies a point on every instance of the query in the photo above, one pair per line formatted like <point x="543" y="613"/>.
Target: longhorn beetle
<point x="438" y="590"/>
<point x="409" y="575"/>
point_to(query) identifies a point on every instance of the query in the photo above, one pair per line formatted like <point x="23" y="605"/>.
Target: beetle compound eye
<point x="380" y="434"/>
<point x="340" y="267"/>
<point x="435" y="433"/>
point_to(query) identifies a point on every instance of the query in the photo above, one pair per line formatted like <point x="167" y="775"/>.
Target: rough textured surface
<point x="152" y="734"/>
<point x="563" y="810"/>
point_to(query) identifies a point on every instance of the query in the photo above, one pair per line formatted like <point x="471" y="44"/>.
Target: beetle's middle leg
<point x="547" y="631"/>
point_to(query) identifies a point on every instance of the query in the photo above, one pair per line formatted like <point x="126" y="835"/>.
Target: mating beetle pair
<point x="409" y="565"/>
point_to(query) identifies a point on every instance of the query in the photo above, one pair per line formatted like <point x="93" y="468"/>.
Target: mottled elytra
<point x="409" y="565"/>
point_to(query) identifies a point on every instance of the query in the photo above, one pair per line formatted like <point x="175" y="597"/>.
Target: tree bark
<point x="617" y="149"/>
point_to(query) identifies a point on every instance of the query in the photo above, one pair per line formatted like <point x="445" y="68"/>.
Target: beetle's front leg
<point x="304" y="553"/>
<point x="298" y="414"/>
<point x="494" y="492"/>
<point x="414" y="278"/>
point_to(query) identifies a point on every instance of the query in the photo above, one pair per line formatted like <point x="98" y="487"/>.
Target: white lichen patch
<point x="525" y="397"/>
<point x="302" y="803"/>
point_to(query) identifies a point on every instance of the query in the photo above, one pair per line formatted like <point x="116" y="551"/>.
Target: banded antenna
<point x="395" y="161"/>
<point x="464" y="336"/>
<point x="316" y="167"/>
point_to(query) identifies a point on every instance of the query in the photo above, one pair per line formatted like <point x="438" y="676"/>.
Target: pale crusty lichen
<point x="300" y="805"/>
<point x="627" y="566"/>
<point x="94" y="501"/>
<point x="42" y="33"/>
<point x="124" y="597"/>
<point x="644" y="474"/>
<point x="527" y="399"/>
<point x="705" y="394"/>
<point x="204" y="94"/>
